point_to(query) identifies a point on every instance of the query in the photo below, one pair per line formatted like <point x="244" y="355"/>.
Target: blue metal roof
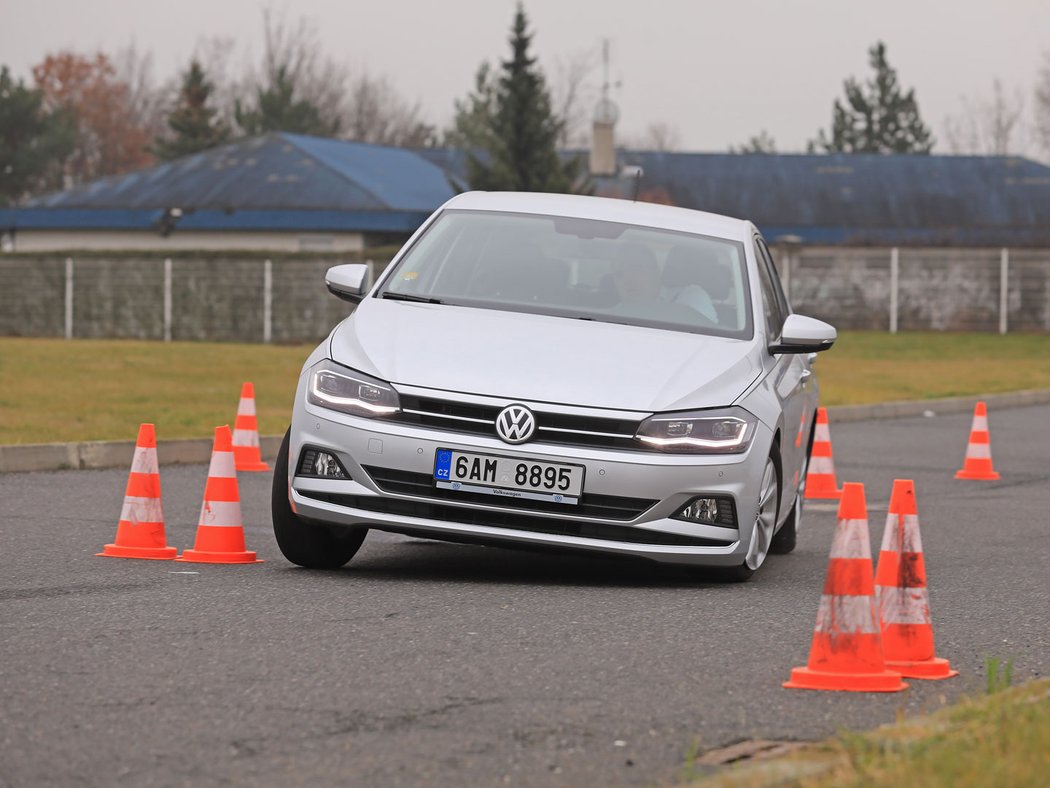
<point x="294" y="182"/>
<point x="857" y="199"/>
<point x="404" y="222"/>
<point x="272" y="172"/>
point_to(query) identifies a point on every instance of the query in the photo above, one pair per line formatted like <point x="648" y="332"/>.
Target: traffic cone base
<point x="807" y="678"/>
<point x="246" y="453"/>
<point x="140" y="529"/>
<point x="933" y="669"/>
<point x="201" y="557"/>
<point x="976" y="475"/>
<point x="152" y="553"/>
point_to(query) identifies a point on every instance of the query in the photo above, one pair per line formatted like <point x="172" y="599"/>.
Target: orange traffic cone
<point x="140" y="531"/>
<point x="246" y="454"/>
<point x="220" y="533"/>
<point x="847" y="646"/>
<point x="978" y="461"/>
<point x="820" y="481"/>
<point x="900" y="587"/>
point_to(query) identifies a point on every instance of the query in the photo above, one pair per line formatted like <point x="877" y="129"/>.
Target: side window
<point x="773" y="303"/>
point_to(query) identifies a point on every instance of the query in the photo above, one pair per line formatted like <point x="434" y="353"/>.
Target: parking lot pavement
<point x="427" y="663"/>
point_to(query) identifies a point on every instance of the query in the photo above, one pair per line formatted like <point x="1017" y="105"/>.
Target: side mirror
<point x="803" y="334"/>
<point x="348" y="282"/>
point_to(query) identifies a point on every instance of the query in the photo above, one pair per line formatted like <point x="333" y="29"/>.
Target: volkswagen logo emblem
<point x="515" y="424"/>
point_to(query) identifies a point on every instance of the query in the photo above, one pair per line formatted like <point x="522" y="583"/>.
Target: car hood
<point x="543" y="359"/>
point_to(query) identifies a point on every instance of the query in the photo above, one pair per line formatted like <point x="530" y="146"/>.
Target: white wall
<point x="63" y="240"/>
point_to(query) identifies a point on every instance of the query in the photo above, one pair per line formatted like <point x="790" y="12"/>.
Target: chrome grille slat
<point x="559" y="428"/>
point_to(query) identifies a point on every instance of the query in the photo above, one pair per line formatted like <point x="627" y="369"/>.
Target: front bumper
<point x="626" y="506"/>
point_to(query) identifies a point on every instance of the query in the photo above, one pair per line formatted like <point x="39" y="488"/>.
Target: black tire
<point x="786" y="538"/>
<point x="741" y="573"/>
<point x="307" y="544"/>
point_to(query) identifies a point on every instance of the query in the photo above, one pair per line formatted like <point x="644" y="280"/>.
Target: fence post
<point x="69" y="298"/>
<point x="167" y="299"/>
<point x="267" y="301"/>
<point x="894" y="287"/>
<point x="1004" y="289"/>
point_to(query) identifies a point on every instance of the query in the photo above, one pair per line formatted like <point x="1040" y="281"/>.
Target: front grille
<point x="606" y="507"/>
<point x="519" y="522"/>
<point x="558" y="428"/>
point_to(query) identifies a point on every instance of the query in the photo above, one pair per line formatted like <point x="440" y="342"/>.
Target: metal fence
<point x="992" y="290"/>
<point x="180" y="299"/>
<point x="235" y="299"/>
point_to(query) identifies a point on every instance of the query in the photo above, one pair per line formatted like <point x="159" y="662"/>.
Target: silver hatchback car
<point x="557" y="371"/>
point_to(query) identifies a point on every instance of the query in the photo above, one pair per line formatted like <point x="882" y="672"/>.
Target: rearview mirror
<point x="348" y="282"/>
<point x="803" y="334"/>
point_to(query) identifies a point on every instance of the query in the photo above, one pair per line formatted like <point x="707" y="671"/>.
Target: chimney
<point x="603" y="142"/>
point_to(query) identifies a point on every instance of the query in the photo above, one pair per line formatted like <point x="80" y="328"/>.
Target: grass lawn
<point x="998" y="739"/>
<point x="56" y="390"/>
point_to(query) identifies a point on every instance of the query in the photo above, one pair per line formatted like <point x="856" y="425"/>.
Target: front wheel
<point x="306" y="544"/>
<point x="762" y="528"/>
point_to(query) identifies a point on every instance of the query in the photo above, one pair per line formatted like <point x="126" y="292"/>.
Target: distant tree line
<point x="87" y="116"/>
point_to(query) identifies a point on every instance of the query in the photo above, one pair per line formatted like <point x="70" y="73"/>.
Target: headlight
<point x="727" y="431"/>
<point x="346" y="390"/>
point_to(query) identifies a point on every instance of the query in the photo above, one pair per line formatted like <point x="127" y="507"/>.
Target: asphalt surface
<point x="426" y="663"/>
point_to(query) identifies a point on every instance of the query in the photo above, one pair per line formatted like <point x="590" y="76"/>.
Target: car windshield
<point x="578" y="268"/>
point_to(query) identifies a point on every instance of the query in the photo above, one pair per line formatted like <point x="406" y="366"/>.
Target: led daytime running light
<point x="730" y="443"/>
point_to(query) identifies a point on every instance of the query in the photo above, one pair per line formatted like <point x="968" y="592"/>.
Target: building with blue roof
<point x="289" y="192"/>
<point x="282" y="192"/>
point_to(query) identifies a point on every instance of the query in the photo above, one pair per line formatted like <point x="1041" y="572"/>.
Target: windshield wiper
<point x="411" y="297"/>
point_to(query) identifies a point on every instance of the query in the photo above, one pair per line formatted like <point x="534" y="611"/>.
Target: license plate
<point x="509" y="477"/>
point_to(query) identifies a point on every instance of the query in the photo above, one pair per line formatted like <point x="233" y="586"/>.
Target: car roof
<point x="607" y="209"/>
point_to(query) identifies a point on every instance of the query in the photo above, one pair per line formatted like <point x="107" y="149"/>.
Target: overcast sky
<point x="717" y="71"/>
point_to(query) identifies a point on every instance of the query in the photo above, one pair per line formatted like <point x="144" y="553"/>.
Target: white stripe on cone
<point x="225" y="514"/>
<point x="246" y="438"/>
<point x="851" y="540"/>
<point x="821" y="433"/>
<point x="141" y="510"/>
<point x="911" y="541"/>
<point x="145" y="460"/>
<point x="246" y="407"/>
<point x="978" y="451"/>
<point x="980" y="424"/>
<point x="222" y="465"/>
<point x="903" y="605"/>
<point x="847" y="614"/>
<point x="821" y="465"/>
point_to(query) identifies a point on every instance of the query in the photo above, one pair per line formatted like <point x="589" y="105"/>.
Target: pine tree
<point x="516" y="150"/>
<point x="33" y="142"/>
<point x="877" y="117"/>
<point x="193" y="123"/>
<point x="278" y="109"/>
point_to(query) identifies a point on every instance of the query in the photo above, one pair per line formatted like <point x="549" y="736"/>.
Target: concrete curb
<point x="112" y="454"/>
<point x="117" y="454"/>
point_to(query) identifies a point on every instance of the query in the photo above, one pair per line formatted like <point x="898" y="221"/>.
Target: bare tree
<point x="573" y="96"/>
<point x="375" y="112"/>
<point x="659" y="136"/>
<point x="758" y="143"/>
<point x="988" y="125"/>
<point x="1041" y="121"/>
<point x="147" y="101"/>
